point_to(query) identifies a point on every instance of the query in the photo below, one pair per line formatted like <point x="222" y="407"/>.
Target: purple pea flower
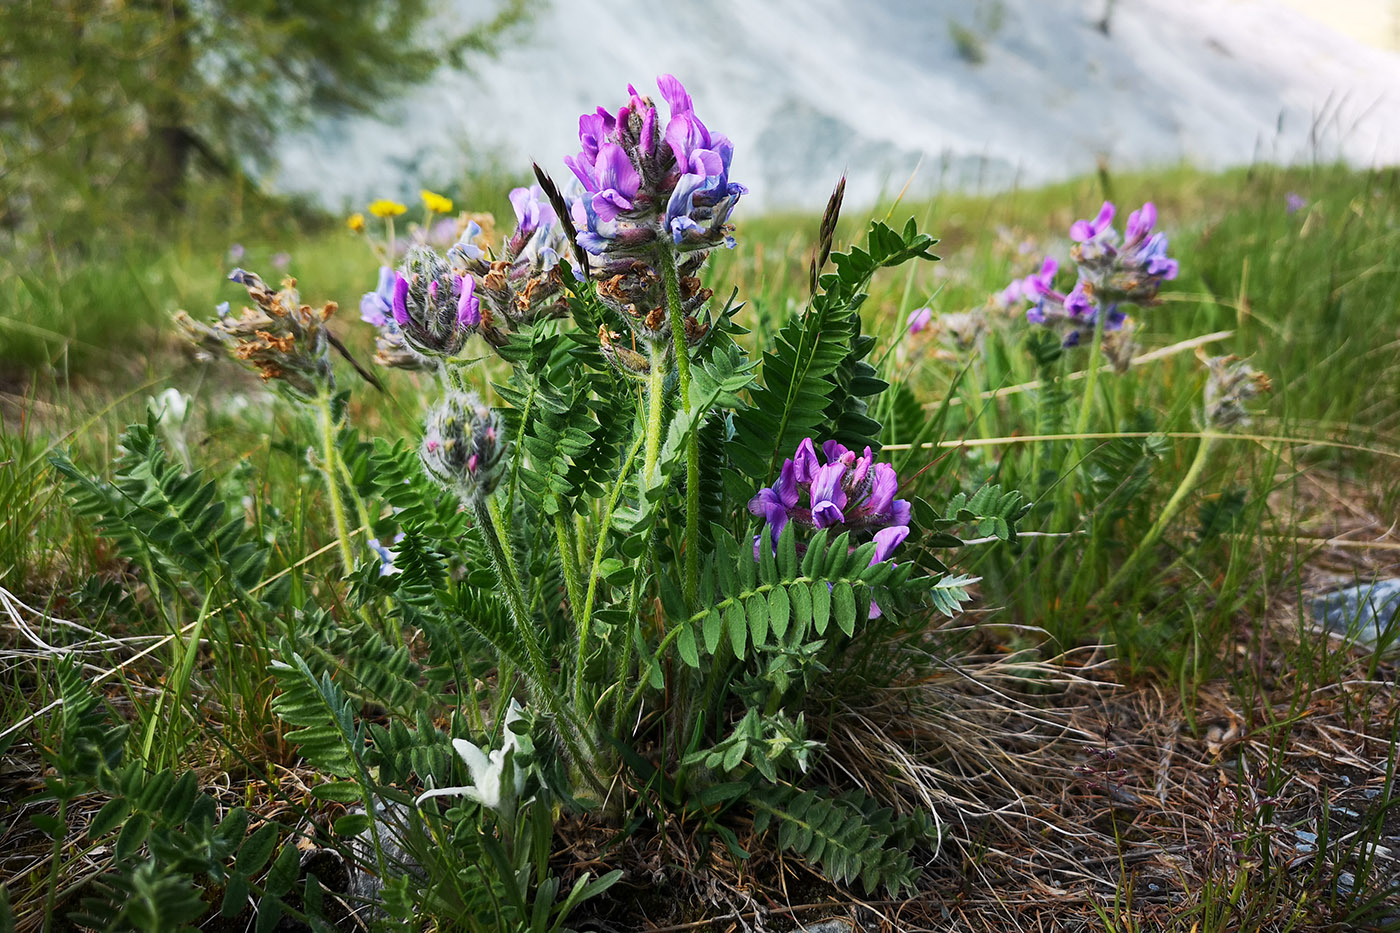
<point x="1093" y="231"/>
<point x="280" y="261"/>
<point x="805" y="463"/>
<point x="468" y="305"/>
<point x="1294" y="202"/>
<point x="886" y="540"/>
<point x="617" y="182"/>
<point x="776" y="504"/>
<point x="530" y="211"/>
<point x="1010" y="296"/>
<point x="919" y="320"/>
<point x="376" y="307"/>
<point x="1039" y="284"/>
<point x="236" y="252"/>
<point x="1140" y="224"/>
<point x="827" y="496"/>
<point x="399" y="302"/>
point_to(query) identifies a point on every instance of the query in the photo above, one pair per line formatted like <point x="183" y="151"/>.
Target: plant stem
<point x="330" y="456"/>
<point x="568" y="562"/>
<point x="656" y="391"/>
<point x="671" y="277"/>
<point x="55" y="864"/>
<point x="585" y="621"/>
<point x="1164" y="518"/>
<point x="487" y="517"/>
<point x="501" y="531"/>
<point x="1069" y="484"/>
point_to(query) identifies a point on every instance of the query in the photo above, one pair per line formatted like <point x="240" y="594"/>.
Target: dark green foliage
<point x="1221" y="514"/>
<point x="850" y="837"/>
<point x="168" y="840"/>
<point x="160" y="515"/>
<point x="815" y="380"/>
<point x="328" y="735"/>
<point x="990" y="511"/>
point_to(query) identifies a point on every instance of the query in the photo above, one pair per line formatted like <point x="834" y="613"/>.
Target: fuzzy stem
<point x="569" y="732"/>
<point x="568" y="562"/>
<point x="1164" y="518"/>
<point x="585" y="620"/>
<point x="502" y="531"/>
<point x="671" y="276"/>
<point x="1069" y="484"/>
<point x="330" y="456"/>
<point x="656" y="393"/>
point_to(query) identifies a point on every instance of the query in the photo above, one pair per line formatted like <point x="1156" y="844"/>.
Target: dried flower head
<point x="963" y="330"/>
<point x="523" y="284"/>
<point x="1232" y="382"/>
<point x="464" y="446"/>
<point x="281" y="338"/>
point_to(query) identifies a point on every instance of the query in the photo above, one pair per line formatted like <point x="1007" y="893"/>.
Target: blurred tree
<point x="123" y="102"/>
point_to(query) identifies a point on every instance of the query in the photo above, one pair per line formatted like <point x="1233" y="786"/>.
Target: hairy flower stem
<point x="656" y="396"/>
<point x="502" y="531"/>
<point x="584" y="621"/>
<point x="487" y="518"/>
<point x="568" y="562"/>
<point x="330" y="457"/>
<point x="671" y="278"/>
<point x="1164" y="518"/>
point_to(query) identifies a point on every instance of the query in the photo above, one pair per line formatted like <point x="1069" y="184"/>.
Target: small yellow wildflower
<point x="356" y="222"/>
<point x="436" y="203"/>
<point x="386" y="208"/>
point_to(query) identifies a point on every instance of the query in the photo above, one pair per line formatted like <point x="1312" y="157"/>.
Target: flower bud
<point x="434" y="307"/>
<point x="464" y="446"/>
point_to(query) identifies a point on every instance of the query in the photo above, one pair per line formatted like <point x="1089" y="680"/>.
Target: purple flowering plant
<point x="1111" y="271"/>
<point x="622" y="501"/>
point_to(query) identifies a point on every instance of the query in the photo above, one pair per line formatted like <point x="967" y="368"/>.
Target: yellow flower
<point x="385" y="208"/>
<point x="356" y="222"/>
<point x="436" y="203"/>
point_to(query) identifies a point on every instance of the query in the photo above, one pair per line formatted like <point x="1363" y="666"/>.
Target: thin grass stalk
<point x="1164" y="518"/>
<point x="585" y="621"/>
<point x="1081" y="423"/>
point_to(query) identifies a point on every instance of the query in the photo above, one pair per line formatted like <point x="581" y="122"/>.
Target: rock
<point x="1368" y="613"/>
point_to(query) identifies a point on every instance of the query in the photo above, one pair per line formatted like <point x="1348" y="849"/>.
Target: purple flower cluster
<point x="524" y="283"/>
<point x="851" y="491"/>
<point x="848" y="490"/>
<point x="430" y="306"/>
<point x="425" y="307"/>
<point x="1110" y="273"/>
<point x="643" y="182"/>
<point x="654" y="196"/>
